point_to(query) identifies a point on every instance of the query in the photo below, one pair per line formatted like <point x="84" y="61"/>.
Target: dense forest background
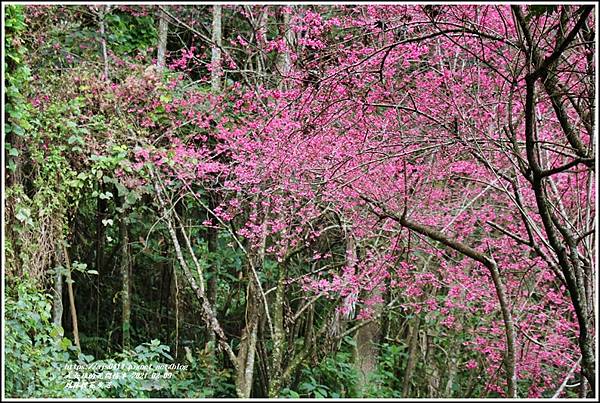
<point x="300" y="201"/>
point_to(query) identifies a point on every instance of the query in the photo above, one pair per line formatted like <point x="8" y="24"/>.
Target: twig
<point x="564" y="383"/>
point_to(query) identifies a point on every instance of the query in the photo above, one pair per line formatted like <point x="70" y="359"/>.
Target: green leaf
<point x="132" y="197"/>
<point x="320" y="393"/>
<point x="188" y="355"/>
<point x="309" y="387"/>
<point x="106" y="196"/>
<point x="65" y="343"/>
<point x="18" y="130"/>
<point x="23" y="214"/>
<point x="291" y="393"/>
<point x="57" y="331"/>
<point x="122" y="190"/>
<point x="75" y="139"/>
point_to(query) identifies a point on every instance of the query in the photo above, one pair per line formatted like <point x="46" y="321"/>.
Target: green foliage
<point x="41" y="363"/>
<point x="128" y="34"/>
<point x="35" y="350"/>
<point x="17" y="77"/>
<point x="386" y="381"/>
<point x="136" y="373"/>
<point x="202" y="379"/>
<point x="37" y="209"/>
<point x="334" y="377"/>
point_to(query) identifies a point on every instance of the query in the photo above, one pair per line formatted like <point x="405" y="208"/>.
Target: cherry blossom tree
<point x="377" y="160"/>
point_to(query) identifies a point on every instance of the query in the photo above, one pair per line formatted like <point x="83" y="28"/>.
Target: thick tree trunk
<point x="413" y="347"/>
<point x="367" y="353"/>
<point x="451" y="375"/>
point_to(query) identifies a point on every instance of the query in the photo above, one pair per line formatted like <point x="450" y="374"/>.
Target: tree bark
<point x="247" y="352"/>
<point x="285" y="59"/>
<point x="126" y="279"/>
<point x="101" y="207"/>
<point x="57" y="304"/>
<point x="71" y="297"/>
<point x="103" y="42"/>
<point x="254" y="306"/>
<point x="163" y="32"/>
<point x="216" y="62"/>
<point x="367" y="352"/>
<point x="16" y="176"/>
<point x="413" y="346"/>
<point x="212" y="245"/>
<point x="451" y="370"/>
<point x="278" y="337"/>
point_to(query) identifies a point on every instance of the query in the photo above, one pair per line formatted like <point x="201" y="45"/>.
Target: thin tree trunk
<point x="212" y="244"/>
<point x="216" y="62"/>
<point x="103" y="43"/>
<point x="125" y="278"/>
<point x="285" y="59"/>
<point x="57" y="304"/>
<point x="16" y="176"/>
<point x="100" y="233"/>
<point x="163" y="32"/>
<point x="247" y="352"/>
<point x="212" y="236"/>
<point x="176" y="301"/>
<point x="261" y="39"/>
<point x="503" y="299"/>
<point x="71" y="297"/>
